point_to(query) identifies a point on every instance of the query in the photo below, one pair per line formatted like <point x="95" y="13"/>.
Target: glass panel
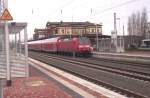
<point x="84" y="40"/>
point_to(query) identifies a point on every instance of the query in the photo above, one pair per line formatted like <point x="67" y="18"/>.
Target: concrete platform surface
<point x="135" y="56"/>
<point x="49" y="82"/>
<point x="80" y="86"/>
<point x="33" y="87"/>
<point x="127" y="53"/>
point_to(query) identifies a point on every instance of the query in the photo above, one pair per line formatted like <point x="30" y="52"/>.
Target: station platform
<point x="45" y="81"/>
<point x="137" y="56"/>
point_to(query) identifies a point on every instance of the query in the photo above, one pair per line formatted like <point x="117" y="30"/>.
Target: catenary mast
<point x="1" y="6"/>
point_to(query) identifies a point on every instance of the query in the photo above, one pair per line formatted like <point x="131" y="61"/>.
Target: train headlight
<point x="80" y="46"/>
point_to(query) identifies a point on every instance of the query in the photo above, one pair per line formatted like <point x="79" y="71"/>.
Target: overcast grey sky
<point x="38" y="12"/>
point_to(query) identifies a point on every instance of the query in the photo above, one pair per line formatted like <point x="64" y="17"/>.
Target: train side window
<point x="61" y="39"/>
<point x="66" y="39"/>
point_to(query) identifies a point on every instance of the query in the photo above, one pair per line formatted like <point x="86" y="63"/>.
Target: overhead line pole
<point x="115" y="30"/>
<point x="123" y="40"/>
<point x="97" y="38"/>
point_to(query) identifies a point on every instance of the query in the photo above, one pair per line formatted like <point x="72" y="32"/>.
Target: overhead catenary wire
<point x="111" y="8"/>
<point x="61" y="8"/>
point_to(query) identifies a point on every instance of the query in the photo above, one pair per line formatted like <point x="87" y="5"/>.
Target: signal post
<point x="6" y="16"/>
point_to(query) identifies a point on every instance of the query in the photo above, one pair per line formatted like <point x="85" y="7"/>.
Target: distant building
<point x="68" y="28"/>
<point x="74" y="28"/>
<point x="41" y="33"/>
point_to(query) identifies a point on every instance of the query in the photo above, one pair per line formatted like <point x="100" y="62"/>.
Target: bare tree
<point x="129" y="25"/>
<point x="133" y="23"/>
<point x="137" y="23"/>
<point x="144" y="22"/>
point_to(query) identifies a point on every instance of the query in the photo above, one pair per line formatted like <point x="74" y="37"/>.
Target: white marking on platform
<point x="94" y="87"/>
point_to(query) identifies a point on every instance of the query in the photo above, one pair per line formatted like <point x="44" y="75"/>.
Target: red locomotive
<point x="78" y="45"/>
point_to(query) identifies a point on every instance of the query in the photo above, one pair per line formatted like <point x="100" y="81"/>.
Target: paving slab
<point x="33" y="87"/>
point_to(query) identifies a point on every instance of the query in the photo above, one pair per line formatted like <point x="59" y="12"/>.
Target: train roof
<point x="55" y="39"/>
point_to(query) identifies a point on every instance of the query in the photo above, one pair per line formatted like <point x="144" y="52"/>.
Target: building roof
<point x="71" y="24"/>
<point x="40" y="30"/>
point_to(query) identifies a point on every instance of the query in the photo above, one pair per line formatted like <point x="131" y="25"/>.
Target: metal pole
<point x="71" y="28"/>
<point x="1" y="89"/>
<point x="2" y="39"/>
<point x="120" y="46"/>
<point x="97" y="38"/>
<point x="115" y="30"/>
<point x="123" y="39"/>
<point x="15" y="42"/>
<point x="5" y="4"/>
<point x="3" y="36"/>
<point x="26" y="51"/>
<point x="71" y="32"/>
<point x="81" y="33"/>
<point x="8" y="82"/>
<point x="1" y="8"/>
<point x="74" y="54"/>
<point x="19" y="43"/>
<point x="7" y="54"/>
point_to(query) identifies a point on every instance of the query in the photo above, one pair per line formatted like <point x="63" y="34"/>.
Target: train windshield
<point x="84" y="40"/>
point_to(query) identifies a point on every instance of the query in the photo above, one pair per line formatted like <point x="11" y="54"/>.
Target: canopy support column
<point x="19" y="43"/>
<point x="26" y="51"/>
<point x="8" y="83"/>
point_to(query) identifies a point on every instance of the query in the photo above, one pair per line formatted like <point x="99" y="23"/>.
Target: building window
<point x="68" y="31"/>
<point x="56" y="32"/>
<point x="98" y="30"/>
<point x="83" y="32"/>
<point x="93" y="30"/>
<point x="62" y="31"/>
<point x="88" y="30"/>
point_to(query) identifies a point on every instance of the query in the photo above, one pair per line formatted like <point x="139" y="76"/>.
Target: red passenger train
<point x="78" y="45"/>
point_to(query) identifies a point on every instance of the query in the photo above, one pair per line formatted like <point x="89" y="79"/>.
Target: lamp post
<point x="120" y="36"/>
<point x="123" y="40"/>
<point x="97" y="46"/>
<point x="121" y="46"/>
<point x="115" y="34"/>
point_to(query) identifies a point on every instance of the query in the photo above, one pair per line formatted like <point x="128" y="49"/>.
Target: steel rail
<point x="92" y="79"/>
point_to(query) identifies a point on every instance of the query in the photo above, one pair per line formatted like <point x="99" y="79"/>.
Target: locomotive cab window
<point x="84" y="40"/>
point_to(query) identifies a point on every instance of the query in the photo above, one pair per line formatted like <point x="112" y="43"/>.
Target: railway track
<point x="124" y="72"/>
<point x="142" y="70"/>
<point x="108" y="77"/>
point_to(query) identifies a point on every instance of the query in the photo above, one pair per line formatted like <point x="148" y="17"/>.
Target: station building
<point x="68" y="28"/>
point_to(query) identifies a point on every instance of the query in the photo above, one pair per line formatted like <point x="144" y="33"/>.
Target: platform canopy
<point x="14" y="27"/>
<point x="13" y="55"/>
